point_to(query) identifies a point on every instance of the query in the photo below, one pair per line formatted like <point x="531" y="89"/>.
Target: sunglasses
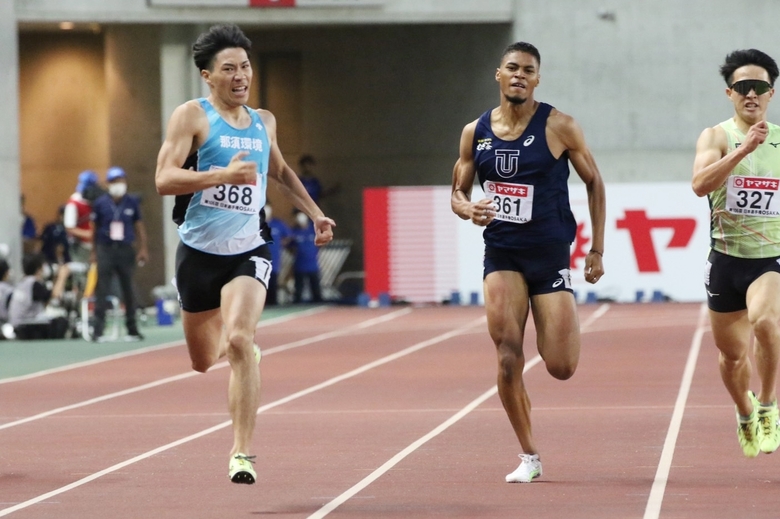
<point x="746" y="85"/>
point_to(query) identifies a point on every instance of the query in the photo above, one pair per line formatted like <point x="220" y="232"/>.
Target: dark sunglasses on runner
<point x="746" y="85"/>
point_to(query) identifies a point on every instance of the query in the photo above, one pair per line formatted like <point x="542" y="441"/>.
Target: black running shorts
<point x="728" y="278"/>
<point x="200" y="276"/>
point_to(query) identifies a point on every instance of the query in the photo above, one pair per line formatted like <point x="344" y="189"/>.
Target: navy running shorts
<point x="545" y="268"/>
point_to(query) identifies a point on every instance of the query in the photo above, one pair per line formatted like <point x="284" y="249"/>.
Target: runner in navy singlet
<point x="520" y="152"/>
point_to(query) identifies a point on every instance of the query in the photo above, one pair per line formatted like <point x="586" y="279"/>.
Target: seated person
<point x="27" y="308"/>
<point x="6" y="289"/>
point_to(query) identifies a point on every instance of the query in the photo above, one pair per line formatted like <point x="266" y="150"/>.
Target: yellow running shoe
<point x="258" y="353"/>
<point x="241" y="470"/>
<point x="768" y="417"/>
<point x="749" y="432"/>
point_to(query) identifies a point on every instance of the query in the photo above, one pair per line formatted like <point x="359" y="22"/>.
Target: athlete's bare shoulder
<point x="563" y="132"/>
<point x="561" y="123"/>
<point x="713" y="138"/>
<point x="268" y="118"/>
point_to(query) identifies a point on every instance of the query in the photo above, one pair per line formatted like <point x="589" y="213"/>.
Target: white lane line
<point x="289" y="398"/>
<point x="653" y="509"/>
<point x="140" y="351"/>
<point x="592" y="318"/>
<point x="395" y="460"/>
<point x="224" y="364"/>
<point x="335" y="503"/>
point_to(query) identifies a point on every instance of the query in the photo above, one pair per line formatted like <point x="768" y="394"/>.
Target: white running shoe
<point x="529" y="469"/>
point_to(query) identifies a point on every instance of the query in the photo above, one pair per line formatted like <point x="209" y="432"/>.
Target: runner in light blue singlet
<point x="228" y="210"/>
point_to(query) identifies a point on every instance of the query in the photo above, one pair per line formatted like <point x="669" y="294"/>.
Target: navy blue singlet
<point x="527" y="183"/>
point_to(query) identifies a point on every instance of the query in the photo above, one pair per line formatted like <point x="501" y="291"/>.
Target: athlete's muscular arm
<point x="568" y="133"/>
<point x="463" y="174"/>
<point x="291" y="185"/>
<point x="713" y="163"/>
<point x="187" y="129"/>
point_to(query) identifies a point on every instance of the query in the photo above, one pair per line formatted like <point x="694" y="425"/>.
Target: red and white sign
<point x="657" y="241"/>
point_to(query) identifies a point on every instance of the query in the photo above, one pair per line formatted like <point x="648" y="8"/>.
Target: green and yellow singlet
<point x="745" y="210"/>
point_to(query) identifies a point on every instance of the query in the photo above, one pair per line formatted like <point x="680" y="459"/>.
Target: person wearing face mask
<point x="305" y="267"/>
<point x="118" y="226"/>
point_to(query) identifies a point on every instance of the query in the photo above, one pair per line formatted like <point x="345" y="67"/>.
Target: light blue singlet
<point x="225" y="219"/>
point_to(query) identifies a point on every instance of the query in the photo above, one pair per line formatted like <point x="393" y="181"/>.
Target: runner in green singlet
<point x="737" y="166"/>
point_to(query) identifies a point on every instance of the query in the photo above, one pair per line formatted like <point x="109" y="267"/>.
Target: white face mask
<point x="302" y="219"/>
<point x="268" y="213"/>
<point x="117" y="189"/>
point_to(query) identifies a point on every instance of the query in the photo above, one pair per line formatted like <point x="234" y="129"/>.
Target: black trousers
<point x="313" y="278"/>
<point x="115" y="259"/>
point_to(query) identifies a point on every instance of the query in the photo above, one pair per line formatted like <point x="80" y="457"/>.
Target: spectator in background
<point x="76" y="217"/>
<point x="6" y="289"/>
<point x="305" y="267"/>
<point x="117" y="220"/>
<point x="309" y="179"/>
<point x="280" y="235"/>
<point x="27" y="306"/>
<point x="54" y="240"/>
<point x="29" y="231"/>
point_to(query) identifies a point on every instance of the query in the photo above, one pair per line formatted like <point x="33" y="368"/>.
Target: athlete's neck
<point x="232" y="113"/>
<point x="511" y="119"/>
<point x="744" y="125"/>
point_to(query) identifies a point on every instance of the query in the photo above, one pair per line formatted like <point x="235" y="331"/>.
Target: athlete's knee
<point x="510" y="363"/>
<point x="766" y="329"/>
<point x="239" y="343"/>
<point x="202" y="363"/>
<point x="561" y="370"/>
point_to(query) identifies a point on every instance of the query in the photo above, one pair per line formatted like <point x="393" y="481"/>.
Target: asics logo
<point x="774" y="144"/>
<point x="711" y="294"/>
<point x="557" y="283"/>
<point x="528" y="141"/>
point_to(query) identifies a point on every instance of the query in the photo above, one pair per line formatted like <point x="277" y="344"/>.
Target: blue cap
<point x="86" y="178"/>
<point x="114" y="174"/>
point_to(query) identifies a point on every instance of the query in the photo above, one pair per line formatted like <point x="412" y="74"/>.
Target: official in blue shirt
<point x="117" y="222"/>
<point x="280" y="234"/>
<point x="306" y="267"/>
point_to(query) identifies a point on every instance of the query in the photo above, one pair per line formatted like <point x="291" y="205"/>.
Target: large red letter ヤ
<point x="639" y="226"/>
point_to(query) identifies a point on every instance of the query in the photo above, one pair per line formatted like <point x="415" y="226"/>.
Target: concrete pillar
<point x="10" y="230"/>
<point x="134" y="111"/>
<point x="180" y="82"/>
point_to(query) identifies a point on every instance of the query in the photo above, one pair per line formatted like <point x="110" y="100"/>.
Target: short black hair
<point x="215" y="40"/>
<point x="740" y="58"/>
<point x="522" y="47"/>
<point x="4" y="268"/>
<point x="31" y="264"/>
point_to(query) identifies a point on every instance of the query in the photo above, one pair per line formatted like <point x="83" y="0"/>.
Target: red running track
<point x="392" y="413"/>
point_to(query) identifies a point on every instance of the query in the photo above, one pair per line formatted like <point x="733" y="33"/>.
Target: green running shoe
<point x="749" y="432"/>
<point x="241" y="470"/>
<point x="768" y="417"/>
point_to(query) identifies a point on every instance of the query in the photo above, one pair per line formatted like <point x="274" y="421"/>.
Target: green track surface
<point x="24" y="357"/>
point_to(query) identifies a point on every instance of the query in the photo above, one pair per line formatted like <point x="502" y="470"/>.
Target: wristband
<point x="597" y="252"/>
